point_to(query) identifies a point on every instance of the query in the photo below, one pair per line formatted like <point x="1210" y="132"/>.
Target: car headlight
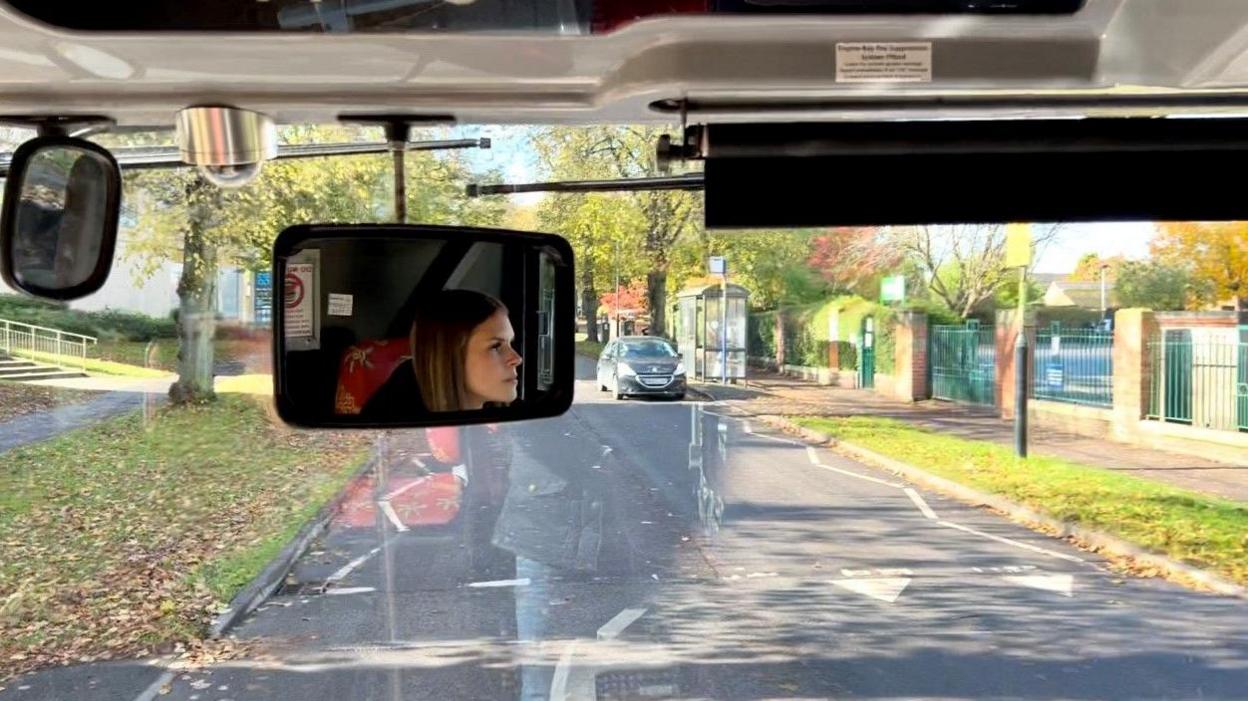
<point x="624" y="369"/>
<point x="680" y="369"/>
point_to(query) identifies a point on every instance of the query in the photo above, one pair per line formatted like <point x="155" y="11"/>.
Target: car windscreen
<point x="647" y="349"/>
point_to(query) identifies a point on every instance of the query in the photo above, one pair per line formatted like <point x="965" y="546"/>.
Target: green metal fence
<point x="1073" y="366"/>
<point x="1200" y="383"/>
<point x="964" y="363"/>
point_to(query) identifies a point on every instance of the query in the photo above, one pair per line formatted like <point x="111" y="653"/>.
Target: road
<point x="734" y="563"/>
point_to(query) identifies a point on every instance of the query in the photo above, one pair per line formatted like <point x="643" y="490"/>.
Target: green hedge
<point x="105" y="325"/>
<point x="806" y="331"/>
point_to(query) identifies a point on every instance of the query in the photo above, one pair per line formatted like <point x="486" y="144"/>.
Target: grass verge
<point x="1200" y="530"/>
<point x="592" y="349"/>
<point x="128" y="536"/>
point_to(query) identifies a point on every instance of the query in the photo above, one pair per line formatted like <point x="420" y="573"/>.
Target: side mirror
<point x="387" y="326"/>
<point x="58" y="227"/>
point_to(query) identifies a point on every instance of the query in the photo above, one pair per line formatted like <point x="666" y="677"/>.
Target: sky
<point x="509" y="152"/>
<point x="1128" y="239"/>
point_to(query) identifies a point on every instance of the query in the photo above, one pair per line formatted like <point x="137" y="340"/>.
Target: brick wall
<point x="909" y="358"/>
<point x="1133" y="329"/>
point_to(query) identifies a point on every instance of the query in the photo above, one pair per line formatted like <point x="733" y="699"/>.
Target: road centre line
<point x="559" y="681"/>
<point x="921" y="503"/>
<point x="154" y="689"/>
<point x="347" y="568"/>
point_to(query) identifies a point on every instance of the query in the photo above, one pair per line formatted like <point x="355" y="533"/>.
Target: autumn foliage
<point x="1214" y="252"/>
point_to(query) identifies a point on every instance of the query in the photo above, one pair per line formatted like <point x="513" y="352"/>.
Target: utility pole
<point x="1104" y="300"/>
<point x="616" y="332"/>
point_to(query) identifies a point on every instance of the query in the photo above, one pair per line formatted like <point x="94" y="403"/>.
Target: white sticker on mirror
<point x="884" y="62"/>
<point x="340" y="305"/>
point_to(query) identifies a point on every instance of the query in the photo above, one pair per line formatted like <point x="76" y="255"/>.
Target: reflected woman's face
<point x="490" y="365"/>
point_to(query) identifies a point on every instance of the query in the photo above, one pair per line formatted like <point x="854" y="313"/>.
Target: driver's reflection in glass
<point x="553" y="522"/>
<point x="462" y="358"/>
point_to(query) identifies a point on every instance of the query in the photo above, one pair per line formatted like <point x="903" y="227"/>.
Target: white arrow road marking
<point x="347" y="568"/>
<point x="885" y="589"/>
<point x="612" y="628"/>
<point x="1061" y="583"/>
<point x="394" y="518"/>
<point x="921" y="503"/>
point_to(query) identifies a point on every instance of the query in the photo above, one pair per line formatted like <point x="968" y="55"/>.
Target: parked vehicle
<point x="641" y="365"/>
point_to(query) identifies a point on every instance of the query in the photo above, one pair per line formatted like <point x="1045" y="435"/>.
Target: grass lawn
<point x="1197" y="529"/>
<point x="17" y="399"/>
<point x="124" y="537"/>
<point x="589" y="348"/>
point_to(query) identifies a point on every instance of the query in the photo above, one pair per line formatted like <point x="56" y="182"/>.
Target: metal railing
<point x="1199" y="383"/>
<point x="70" y="348"/>
<point x="1074" y="366"/>
<point x="963" y="362"/>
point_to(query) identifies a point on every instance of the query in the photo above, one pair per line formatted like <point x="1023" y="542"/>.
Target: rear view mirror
<point x="396" y="325"/>
<point x="59" y="223"/>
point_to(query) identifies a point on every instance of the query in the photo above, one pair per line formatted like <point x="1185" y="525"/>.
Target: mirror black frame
<point x="559" y="397"/>
<point x="8" y="217"/>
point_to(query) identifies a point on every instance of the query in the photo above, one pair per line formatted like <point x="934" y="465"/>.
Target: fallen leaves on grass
<point x="107" y="531"/>
<point x="18" y="399"/>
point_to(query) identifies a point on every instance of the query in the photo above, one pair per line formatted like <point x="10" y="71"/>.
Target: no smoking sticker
<point x="884" y="62"/>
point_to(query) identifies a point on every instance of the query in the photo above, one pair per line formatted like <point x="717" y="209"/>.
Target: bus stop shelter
<point x="698" y="320"/>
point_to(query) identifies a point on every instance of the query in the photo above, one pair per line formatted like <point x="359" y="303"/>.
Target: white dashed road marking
<point x="919" y="502"/>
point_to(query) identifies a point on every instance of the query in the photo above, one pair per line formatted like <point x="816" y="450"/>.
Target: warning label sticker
<point x="298" y="293"/>
<point x="886" y="62"/>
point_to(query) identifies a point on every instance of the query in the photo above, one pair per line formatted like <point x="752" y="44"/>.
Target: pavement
<point x="741" y="565"/>
<point x="769" y="393"/>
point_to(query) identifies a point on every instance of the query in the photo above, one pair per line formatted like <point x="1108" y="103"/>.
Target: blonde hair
<point x="439" y="341"/>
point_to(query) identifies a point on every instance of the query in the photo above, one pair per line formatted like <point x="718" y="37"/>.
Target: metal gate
<point x="866" y="355"/>
<point x="1241" y="385"/>
<point x="964" y="363"/>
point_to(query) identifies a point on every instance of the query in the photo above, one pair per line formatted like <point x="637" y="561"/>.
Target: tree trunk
<point x="656" y="300"/>
<point x="589" y="303"/>
<point x="197" y="321"/>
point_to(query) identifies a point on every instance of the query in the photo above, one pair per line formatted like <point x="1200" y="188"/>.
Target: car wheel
<point x="616" y="389"/>
<point x="679" y="397"/>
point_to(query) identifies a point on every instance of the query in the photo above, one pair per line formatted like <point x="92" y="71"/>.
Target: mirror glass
<point x="64" y="211"/>
<point x="422" y="326"/>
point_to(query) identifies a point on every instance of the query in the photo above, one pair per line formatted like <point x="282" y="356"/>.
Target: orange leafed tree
<point x="1089" y="267"/>
<point x="1215" y="252"/>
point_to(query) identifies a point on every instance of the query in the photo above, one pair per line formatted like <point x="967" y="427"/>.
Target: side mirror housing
<point x="58" y="227"/>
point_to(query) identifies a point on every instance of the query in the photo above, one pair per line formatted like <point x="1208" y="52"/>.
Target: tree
<point x="772" y="265"/>
<point x="659" y="218"/>
<point x="851" y="258"/>
<point x="1156" y="286"/>
<point x="1088" y="269"/>
<point x="179" y="216"/>
<point x="1214" y="253"/>
<point x="964" y="265"/>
